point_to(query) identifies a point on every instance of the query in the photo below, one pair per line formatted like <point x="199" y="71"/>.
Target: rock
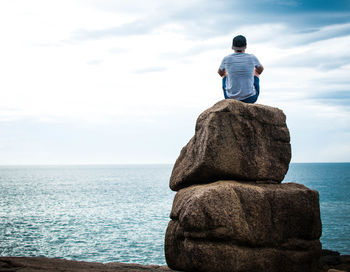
<point x="327" y="252"/>
<point x="247" y="221"/>
<point x="334" y="261"/>
<point x="344" y="263"/>
<point x="330" y="260"/>
<point x="235" y="140"/>
<point x="29" y="264"/>
<point x="345" y="259"/>
<point x="336" y="270"/>
<point x="231" y="226"/>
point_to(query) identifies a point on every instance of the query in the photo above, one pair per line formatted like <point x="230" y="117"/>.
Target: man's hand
<point x="222" y="73"/>
<point x="259" y="69"/>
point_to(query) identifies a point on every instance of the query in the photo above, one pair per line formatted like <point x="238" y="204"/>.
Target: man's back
<point x="239" y="69"/>
<point x="240" y="73"/>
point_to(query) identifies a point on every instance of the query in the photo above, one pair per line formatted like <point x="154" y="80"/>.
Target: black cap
<point x="239" y="43"/>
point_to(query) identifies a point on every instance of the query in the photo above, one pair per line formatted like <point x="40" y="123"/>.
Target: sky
<point x="118" y="82"/>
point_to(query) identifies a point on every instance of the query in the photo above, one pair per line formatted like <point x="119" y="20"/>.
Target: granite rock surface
<point x="231" y="226"/>
<point x="235" y="140"/>
<point x="231" y="212"/>
<point x="36" y="264"/>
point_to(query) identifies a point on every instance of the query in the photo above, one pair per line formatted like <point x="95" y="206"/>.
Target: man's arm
<point x="259" y="69"/>
<point x="222" y="73"/>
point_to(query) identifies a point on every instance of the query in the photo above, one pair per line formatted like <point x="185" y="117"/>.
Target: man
<point x="240" y="73"/>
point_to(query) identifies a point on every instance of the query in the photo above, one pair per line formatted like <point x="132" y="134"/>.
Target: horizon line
<point x="137" y="164"/>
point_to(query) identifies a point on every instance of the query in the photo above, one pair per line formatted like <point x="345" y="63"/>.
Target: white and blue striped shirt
<point x="239" y="69"/>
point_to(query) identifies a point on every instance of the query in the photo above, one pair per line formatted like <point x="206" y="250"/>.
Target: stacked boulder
<point x="231" y="212"/>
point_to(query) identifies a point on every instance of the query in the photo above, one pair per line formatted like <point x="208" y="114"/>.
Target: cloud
<point x="312" y="5"/>
<point x="327" y="54"/>
<point x="129" y="44"/>
<point x="150" y="70"/>
<point x="290" y="36"/>
<point x="139" y="27"/>
<point x="196" y="49"/>
<point x="204" y="19"/>
<point x="118" y="50"/>
<point x="338" y="98"/>
<point x="323" y="33"/>
<point x="95" y="62"/>
<point x="148" y="19"/>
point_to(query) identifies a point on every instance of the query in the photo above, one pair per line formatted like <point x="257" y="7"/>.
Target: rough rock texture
<point x="232" y="226"/>
<point x="235" y="140"/>
<point x="332" y="261"/>
<point x="250" y="224"/>
<point x="27" y="264"/>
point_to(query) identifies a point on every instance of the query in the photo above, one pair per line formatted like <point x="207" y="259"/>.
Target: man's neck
<point x="239" y="51"/>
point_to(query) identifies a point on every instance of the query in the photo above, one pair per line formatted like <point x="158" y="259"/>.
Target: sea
<point x="119" y="213"/>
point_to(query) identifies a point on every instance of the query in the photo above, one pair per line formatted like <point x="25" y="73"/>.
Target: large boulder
<point x="235" y="140"/>
<point x="231" y="226"/>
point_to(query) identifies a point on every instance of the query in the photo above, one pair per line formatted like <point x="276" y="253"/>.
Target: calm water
<point x="120" y="213"/>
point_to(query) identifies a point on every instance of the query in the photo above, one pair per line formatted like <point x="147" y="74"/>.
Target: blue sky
<point x="124" y="81"/>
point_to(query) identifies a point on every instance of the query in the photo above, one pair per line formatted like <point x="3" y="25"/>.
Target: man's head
<point x="239" y="43"/>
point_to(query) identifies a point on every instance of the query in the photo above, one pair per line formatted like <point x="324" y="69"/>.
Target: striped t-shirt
<point x="239" y="69"/>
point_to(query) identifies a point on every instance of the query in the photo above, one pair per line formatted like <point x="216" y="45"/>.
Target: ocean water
<point x="119" y="213"/>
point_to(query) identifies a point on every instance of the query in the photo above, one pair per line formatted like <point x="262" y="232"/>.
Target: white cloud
<point x="145" y="78"/>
